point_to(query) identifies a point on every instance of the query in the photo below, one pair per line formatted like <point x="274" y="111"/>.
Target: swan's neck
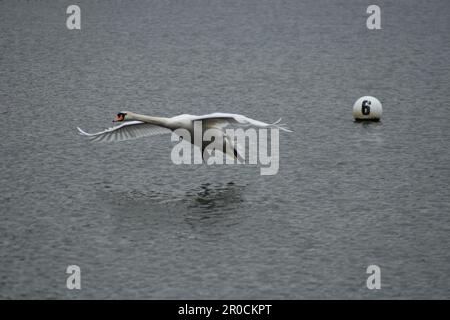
<point x="160" y="121"/>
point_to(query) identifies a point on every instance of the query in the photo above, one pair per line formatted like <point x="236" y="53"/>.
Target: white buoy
<point x="367" y="108"/>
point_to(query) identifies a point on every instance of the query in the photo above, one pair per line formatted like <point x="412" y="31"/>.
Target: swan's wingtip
<point x="80" y="131"/>
<point x="278" y="121"/>
<point x="282" y="127"/>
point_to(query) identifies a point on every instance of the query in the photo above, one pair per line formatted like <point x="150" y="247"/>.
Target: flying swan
<point x="137" y="126"/>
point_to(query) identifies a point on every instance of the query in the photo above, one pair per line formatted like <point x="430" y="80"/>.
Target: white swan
<point x="138" y="125"/>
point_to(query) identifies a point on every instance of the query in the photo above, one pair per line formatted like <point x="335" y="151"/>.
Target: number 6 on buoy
<point x="367" y="108"/>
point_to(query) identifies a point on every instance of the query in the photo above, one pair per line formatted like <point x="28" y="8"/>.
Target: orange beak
<point x="119" y="117"/>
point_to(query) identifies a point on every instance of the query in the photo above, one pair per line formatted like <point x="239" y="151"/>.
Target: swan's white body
<point x="138" y="125"/>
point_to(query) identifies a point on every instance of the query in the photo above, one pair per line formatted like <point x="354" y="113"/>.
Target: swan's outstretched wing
<point x="221" y="120"/>
<point x="126" y="131"/>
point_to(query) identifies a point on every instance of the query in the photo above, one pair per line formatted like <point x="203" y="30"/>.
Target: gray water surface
<point x="347" y="194"/>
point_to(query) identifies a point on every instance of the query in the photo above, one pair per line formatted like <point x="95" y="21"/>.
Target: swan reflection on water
<point x="211" y="197"/>
<point x="205" y="201"/>
<point x="215" y="204"/>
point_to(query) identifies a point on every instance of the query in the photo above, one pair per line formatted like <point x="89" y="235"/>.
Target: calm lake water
<point x="347" y="194"/>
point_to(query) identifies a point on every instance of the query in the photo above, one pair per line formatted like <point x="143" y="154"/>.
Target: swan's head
<point x="123" y="116"/>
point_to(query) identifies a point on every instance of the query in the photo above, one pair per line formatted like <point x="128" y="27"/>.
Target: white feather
<point x="222" y="120"/>
<point x="127" y="131"/>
